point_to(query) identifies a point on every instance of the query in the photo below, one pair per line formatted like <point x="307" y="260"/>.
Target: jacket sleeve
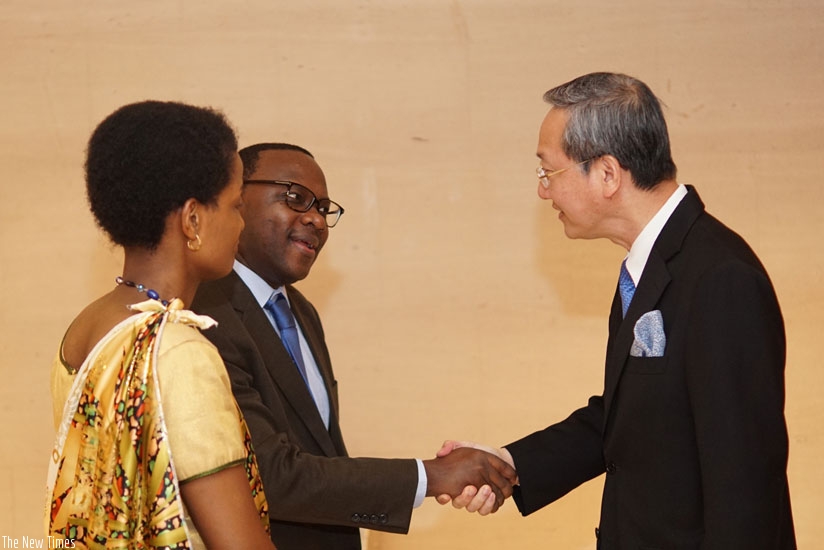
<point x="301" y="486"/>
<point x="552" y="462"/>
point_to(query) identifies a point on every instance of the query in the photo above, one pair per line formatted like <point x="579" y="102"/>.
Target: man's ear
<point x="611" y="174"/>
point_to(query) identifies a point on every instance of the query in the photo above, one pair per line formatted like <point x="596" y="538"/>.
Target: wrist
<point x="506" y="456"/>
<point x="430" y="476"/>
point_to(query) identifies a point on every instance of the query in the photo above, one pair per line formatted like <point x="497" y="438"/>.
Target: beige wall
<point x="453" y="304"/>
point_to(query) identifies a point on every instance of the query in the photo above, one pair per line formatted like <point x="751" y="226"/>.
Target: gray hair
<point x="615" y="114"/>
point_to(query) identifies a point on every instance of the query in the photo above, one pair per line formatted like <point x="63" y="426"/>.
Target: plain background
<point x="454" y="306"/>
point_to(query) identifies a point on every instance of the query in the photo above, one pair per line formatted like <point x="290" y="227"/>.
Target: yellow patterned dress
<point x="149" y="409"/>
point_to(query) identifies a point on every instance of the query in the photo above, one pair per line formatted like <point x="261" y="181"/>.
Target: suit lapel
<point x="278" y="363"/>
<point x="315" y="341"/>
<point x="316" y="345"/>
<point x="654" y="281"/>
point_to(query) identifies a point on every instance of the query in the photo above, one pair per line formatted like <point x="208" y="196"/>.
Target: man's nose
<point x="543" y="192"/>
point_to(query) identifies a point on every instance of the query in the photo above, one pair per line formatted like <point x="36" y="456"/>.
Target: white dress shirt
<point x="641" y="248"/>
<point x="262" y="292"/>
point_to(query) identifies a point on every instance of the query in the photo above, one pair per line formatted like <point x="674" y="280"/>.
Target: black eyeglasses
<point x="300" y="199"/>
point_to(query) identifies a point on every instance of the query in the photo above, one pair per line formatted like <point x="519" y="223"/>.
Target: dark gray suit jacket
<point x="694" y="444"/>
<point x="318" y="497"/>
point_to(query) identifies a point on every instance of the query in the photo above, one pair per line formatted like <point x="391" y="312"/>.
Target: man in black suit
<point x="690" y="427"/>
<point x="271" y="339"/>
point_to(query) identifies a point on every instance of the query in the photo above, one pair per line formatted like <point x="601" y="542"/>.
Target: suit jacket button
<point x="612" y="468"/>
<point x="356" y="518"/>
<point x="373" y="519"/>
<point x="384" y="519"/>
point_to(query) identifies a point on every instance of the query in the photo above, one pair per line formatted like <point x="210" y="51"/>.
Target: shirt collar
<point x="259" y="288"/>
<point x="641" y="248"/>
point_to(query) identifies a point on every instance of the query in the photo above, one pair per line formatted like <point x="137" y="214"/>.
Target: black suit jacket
<point x="318" y="497"/>
<point x="694" y="443"/>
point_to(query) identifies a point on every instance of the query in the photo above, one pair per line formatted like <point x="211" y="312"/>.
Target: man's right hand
<point x="473" y="498"/>
<point x="471" y="477"/>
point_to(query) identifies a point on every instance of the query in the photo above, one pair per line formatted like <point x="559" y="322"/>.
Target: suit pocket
<point x="646" y="365"/>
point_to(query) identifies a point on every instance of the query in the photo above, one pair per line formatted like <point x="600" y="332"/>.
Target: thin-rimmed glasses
<point x="543" y="175"/>
<point x="300" y="199"/>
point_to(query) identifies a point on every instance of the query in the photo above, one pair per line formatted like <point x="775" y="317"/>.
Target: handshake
<point x="471" y="476"/>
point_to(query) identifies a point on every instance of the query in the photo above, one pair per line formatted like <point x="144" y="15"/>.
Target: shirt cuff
<point x="420" y="494"/>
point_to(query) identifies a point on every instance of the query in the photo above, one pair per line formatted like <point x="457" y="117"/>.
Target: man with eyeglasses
<point x="271" y="339"/>
<point x="690" y="427"/>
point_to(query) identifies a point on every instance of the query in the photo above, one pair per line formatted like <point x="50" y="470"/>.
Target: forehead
<point x="550" y="136"/>
<point x="291" y="166"/>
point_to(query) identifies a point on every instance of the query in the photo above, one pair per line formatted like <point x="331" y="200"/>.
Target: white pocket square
<point x="650" y="340"/>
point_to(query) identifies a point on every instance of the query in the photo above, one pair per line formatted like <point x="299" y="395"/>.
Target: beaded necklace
<point x="150" y="292"/>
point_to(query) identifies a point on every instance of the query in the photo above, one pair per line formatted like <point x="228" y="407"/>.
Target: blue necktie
<point x="626" y="288"/>
<point x="285" y="322"/>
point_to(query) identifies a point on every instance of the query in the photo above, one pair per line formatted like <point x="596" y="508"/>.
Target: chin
<point x="302" y="270"/>
<point x="571" y="233"/>
<point x="295" y="277"/>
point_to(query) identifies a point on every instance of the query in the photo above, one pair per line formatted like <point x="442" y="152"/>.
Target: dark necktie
<point x="285" y="322"/>
<point x="626" y="288"/>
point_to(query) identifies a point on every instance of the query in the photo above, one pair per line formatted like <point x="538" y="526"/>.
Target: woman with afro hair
<point x="151" y="449"/>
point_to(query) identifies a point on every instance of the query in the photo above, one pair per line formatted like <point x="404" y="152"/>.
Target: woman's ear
<point x="190" y="221"/>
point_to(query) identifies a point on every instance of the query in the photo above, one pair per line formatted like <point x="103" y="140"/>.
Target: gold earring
<point x="194" y="244"/>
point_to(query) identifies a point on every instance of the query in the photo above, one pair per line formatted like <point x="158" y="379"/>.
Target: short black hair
<point x="249" y="155"/>
<point x="146" y="159"/>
